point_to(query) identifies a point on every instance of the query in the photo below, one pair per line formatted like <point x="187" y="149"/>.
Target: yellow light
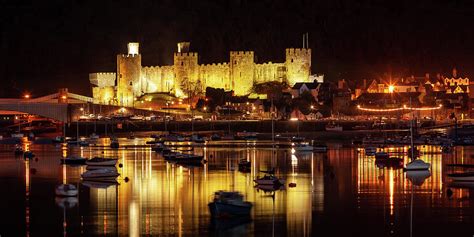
<point x="391" y="88"/>
<point x="294" y="119"/>
<point x="398" y="109"/>
<point x="63" y="97"/>
<point x="26" y="96"/>
<point x="205" y="108"/>
<point x="82" y="109"/>
<point x="312" y="107"/>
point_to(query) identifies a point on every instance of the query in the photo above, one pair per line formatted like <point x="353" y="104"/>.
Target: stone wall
<point x="241" y="71"/>
<point x="298" y="65"/>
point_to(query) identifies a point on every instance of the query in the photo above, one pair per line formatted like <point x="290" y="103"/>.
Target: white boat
<point x="333" y="127"/>
<point x="417" y="165"/>
<point x="269" y="180"/>
<point x="17" y="135"/>
<point x="97" y="161"/>
<point x="66" y="190"/>
<point x="303" y="147"/>
<point x="462" y="177"/>
<point x="229" y="204"/>
<point x="100" y="174"/>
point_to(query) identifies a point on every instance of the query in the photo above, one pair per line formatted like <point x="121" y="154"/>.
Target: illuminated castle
<point x="186" y="75"/>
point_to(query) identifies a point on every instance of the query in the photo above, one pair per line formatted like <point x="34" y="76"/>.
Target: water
<point x="340" y="193"/>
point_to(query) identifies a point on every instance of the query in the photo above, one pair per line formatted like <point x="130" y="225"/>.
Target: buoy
<point x="292" y="185"/>
<point x="120" y="165"/>
<point x="126" y="179"/>
<point x="449" y="192"/>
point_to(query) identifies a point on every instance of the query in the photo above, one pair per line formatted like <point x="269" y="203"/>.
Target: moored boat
<point x="97" y="161"/>
<point x="244" y="165"/>
<point x="333" y="127"/>
<point x="381" y="155"/>
<point x="229" y="204"/>
<point x="100" y="174"/>
<point x="303" y="147"/>
<point x="417" y="165"/>
<point x="320" y="148"/>
<point x="462" y="177"/>
<point x="114" y="143"/>
<point x="370" y="151"/>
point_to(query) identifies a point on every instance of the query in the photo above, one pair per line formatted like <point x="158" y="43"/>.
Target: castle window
<point x="182" y="63"/>
<point x="235" y="62"/>
<point x="291" y="60"/>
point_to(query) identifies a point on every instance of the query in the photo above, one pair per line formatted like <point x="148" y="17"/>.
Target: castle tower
<point x="241" y="67"/>
<point x="129" y="75"/>
<point x="298" y="65"/>
<point x="185" y="70"/>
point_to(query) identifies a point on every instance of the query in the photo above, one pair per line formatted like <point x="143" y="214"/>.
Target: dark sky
<point x="51" y="44"/>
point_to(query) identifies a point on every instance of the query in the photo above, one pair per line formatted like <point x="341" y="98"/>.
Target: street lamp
<point x="26" y="96"/>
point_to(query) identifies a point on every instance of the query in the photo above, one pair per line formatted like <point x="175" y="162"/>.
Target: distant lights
<point x="26" y="96"/>
<point x="404" y="107"/>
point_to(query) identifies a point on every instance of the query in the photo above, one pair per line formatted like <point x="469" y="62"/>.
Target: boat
<point x="18" y="150"/>
<point x="392" y="162"/>
<point x="370" y="151"/>
<point x="215" y="137"/>
<point x="158" y="147"/>
<point x="100" y="174"/>
<point x="83" y="143"/>
<point x="66" y="190"/>
<point x="197" y="139"/>
<point x="183" y="158"/>
<point x="152" y="142"/>
<point x="244" y="165"/>
<point x="247" y="135"/>
<point x="417" y="164"/>
<point x="28" y="155"/>
<point x="333" y="127"/>
<point x="320" y="148"/>
<point x="114" y="143"/>
<point x="229" y="204"/>
<point x="97" y="161"/>
<point x="269" y="179"/>
<point x="269" y="188"/>
<point x="58" y="139"/>
<point x="17" y="135"/>
<point x="462" y="177"/>
<point x="73" y="160"/>
<point x="302" y="147"/>
<point x="297" y="139"/>
<point x="94" y="136"/>
<point x="418" y="177"/>
<point x="381" y="155"/>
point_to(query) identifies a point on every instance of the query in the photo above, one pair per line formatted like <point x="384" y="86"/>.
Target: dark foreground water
<point x="341" y="193"/>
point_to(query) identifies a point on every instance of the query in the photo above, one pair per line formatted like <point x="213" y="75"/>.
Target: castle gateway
<point x="186" y="75"/>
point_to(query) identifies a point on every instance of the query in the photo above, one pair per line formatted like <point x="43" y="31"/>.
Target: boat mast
<point x="273" y="126"/>
<point x="411" y="134"/>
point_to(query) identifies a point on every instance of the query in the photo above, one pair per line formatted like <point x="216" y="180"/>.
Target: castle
<point x="186" y="76"/>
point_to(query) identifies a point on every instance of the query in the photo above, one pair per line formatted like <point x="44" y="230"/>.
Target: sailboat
<point x="415" y="164"/>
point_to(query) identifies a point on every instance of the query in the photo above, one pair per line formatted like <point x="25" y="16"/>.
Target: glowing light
<point x="63" y="97"/>
<point x="398" y="109"/>
<point x="26" y="96"/>
<point x="312" y="107"/>
<point x="391" y="88"/>
<point x="294" y="119"/>
<point x="205" y="108"/>
<point x="82" y="109"/>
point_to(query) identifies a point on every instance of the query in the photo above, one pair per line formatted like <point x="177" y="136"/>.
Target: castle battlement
<point x="129" y="55"/>
<point x="214" y="65"/>
<point x="104" y="73"/>
<point x="241" y="53"/>
<point x="298" y="51"/>
<point x="190" y="54"/>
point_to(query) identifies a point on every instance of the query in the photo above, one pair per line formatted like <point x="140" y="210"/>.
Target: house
<point x="300" y="87"/>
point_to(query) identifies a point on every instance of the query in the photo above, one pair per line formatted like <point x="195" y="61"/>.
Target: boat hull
<point x="220" y="210"/>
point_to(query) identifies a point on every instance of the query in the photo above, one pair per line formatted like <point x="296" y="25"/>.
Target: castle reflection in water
<point x="342" y="186"/>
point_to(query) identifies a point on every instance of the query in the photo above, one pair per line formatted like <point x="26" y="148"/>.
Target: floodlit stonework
<point x="186" y="77"/>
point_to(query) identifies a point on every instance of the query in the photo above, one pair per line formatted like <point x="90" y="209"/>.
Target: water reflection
<point x="342" y="186"/>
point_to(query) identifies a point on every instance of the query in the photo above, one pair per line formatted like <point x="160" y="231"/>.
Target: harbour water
<point x="341" y="193"/>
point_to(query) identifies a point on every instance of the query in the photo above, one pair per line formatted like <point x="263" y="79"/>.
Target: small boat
<point x="370" y="151"/>
<point x="153" y="142"/>
<point x="228" y="137"/>
<point x="297" y="139"/>
<point x="269" y="179"/>
<point x="100" y="174"/>
<point x="97" y="161"/>
<point x="392" y="162"/>
<point x="73" y="160"/>
<point x="417" y="165"/>
<point x="270" y="187"/>
<point x="462" y="177"/>
<point x="114" y="143"/>
<point x="28" y="155"/>
<point x="215" y="137"/>
<point x="381" y="155"/>
<point x="19" y="150"/>
<point x="320" y="148"/>
<point x="66" y="190"/>
<point x="94" y="136"/>
<point x="229" y="204"/>
<point x="333" y="127"/>
<point x="158" y="147"/>
<point x="17" y="135"/>
<point x="244" y="165"/>
<point x="183" y="158"/>
<point x="58" y="139"/>
<point x="83" y="143"/>
<point x="303" y="147"/>
<point x="197" y="139"/>
<point x="173" y="138"/>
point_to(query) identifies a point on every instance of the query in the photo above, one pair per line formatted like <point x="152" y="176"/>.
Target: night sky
<point x="51" y="44"/>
